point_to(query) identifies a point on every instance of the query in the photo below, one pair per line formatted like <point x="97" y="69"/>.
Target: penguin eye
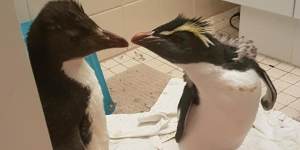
<point x="72" y="34"/>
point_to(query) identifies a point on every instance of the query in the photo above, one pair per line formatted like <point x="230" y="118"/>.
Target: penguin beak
<point x="113" y="40"/>
<point x="150" y="41"/>
<point x="139" y="38"/>
<point x="156" y="44"/>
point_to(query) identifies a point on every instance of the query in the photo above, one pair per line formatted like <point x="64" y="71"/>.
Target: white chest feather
<point x="208" y="73"/>
<point x="228" y="105"/>
<point x="80" y="71"/>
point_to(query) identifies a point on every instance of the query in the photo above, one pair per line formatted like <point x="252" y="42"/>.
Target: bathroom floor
<point x="285" y="77"/>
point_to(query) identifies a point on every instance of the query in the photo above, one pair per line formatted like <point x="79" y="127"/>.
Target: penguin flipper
<point x="269" y="99"/>
<point x="189" y="97"/>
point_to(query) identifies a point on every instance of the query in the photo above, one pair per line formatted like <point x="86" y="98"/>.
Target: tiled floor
<point x="286" y="77"/>
<point x="139" y="56"/>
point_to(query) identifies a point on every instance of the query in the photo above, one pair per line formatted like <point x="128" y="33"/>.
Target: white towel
<point x="273" y="130"/>
<point x="155" y="130"/>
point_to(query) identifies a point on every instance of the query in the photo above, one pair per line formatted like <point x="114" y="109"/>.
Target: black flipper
<point x="269" y="99"/>
<point x="189" y="97"/>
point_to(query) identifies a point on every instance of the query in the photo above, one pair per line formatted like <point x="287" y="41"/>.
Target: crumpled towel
<point x="161" y="120"/>
<point x="155" y="130"/>
<point x="273" y="130"/>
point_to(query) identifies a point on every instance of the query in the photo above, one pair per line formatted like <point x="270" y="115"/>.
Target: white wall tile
<point x="96" y="6"/>
<point x="22" y="11"/>
<point x="35" y="7"/>
<point x="208" y="8"/>
<point x="111" y="20"/>
<point x="141" y="16"/>
<point x="172" y="8"/>
<point x="126" y="17"/>
<point x="128" y="1"/>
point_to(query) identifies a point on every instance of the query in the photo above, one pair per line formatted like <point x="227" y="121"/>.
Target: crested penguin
<point x="58" y="40"/>
<point x="221" y="98"/>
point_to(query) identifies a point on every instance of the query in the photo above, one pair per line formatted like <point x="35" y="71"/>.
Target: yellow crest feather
<point x="196" y="30"/>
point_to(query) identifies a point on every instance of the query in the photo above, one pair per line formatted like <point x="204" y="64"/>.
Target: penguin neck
<point x="46" y="67"/>
<point x="43" y="62"/>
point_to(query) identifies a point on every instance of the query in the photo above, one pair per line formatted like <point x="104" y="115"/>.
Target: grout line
<point x="295" y="67"/>
<point x="284" y="106"/>
<point x="287" y="72"/>
<point x="119" y="6"/>
<point x="289" y="87"/>
<point x="291" y="101"/>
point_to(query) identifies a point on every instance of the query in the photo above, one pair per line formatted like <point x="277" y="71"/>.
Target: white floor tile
<point x="285" y="67"/>
<point x="230" y="30"/>
<point x="296" y="71"/>
<point x="152" y="54"/>
<point x="108" y="74"/>
<point x="118" y="69"/>
<point x="133" y="53"/>
<point x="295" y="105"/>
<point x="102" y="67"/>
<point x="291" y="112"/>
<point x="164" y="68"/>
<point x="180" y="69"/>
<point x="217" y="19"/>
<point x="281" y="85"/>
<point x="176" y="74"/>
<point x="270" y="61"/>
<point x="109" y="63"/>
<point x="298" y="84"/>
<point x="154" y="63"/>
<point x="142" y="57"/>
<point x="293" y="91"/>
<point x="265" y="67"/>
<point x="285" y="99"/>
<point x="291" y="78"/>
<point x="122" y="58"/>
<point x="171" y="64"/>
<point x="223" y="32"/>
<point x="142" y="49"/>
<point x="130" y="63"/>
<point x="273" y="79"/>
<point x="163" y="60"/>
<point x="279" y="106"/>
<point x="276" y="73"/>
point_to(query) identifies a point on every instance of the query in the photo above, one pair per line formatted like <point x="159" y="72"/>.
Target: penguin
<point x="222" y="95"/>
<point x="58" y="40"/>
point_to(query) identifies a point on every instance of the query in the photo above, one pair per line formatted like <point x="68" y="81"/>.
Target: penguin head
<point x="180" y="41"/>
<point x="63" y="31"/>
